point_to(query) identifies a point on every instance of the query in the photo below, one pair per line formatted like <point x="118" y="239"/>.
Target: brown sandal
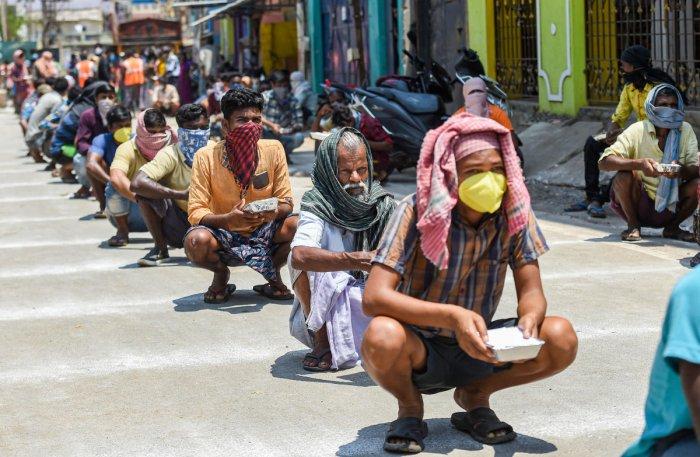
<point x="214" y="296"/>
<point x="630" y="235"/>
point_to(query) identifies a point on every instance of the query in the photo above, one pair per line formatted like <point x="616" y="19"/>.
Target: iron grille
<point x="669" y="28"/>
<point x="516" y="47"/>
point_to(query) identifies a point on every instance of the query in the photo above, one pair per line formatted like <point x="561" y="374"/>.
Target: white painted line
<point x="91" y="307"/>
<point x="63" y="269"/>
<point x="29" y="220"/>
<point x="33" y="199"/>
<point x="613" y="273"/>
<point x="14" y="185"/>
<point x="190" y="357"/>
<point x="52" y="243"/>
<point x="24" y="171"/>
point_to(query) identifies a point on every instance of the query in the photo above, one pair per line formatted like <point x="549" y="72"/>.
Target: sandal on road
<point x="577" y="207"/>
<point x="596" y="210"/>
<point x="118" y="241"/>
<point x="266" y="290"/>
<point x="216" y="296"/>
<point x="318" y="368"/>
<point x="483" y="425"/>
<point x="633" y="234"/>
<point x="680" y="235"/>
<point x="406" y="435"/>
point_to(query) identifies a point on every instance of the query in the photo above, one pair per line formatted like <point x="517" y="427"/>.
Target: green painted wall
<point x="315" y="33"/>
<point x="554" y="48"/>
<point x="481" y="36"/>
<point x="377" y="21"/>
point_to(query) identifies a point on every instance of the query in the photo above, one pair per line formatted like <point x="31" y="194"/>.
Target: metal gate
<point x="669" y="28"/>
<point x="516" y="47"/>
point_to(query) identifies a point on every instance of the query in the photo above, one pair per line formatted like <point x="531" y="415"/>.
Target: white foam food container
<point x="668" y="168"/>
<point x="509" y="344"/>
<point x="261" y="206"/>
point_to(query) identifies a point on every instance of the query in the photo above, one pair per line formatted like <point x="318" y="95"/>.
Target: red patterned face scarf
<point x="242" y="153"/>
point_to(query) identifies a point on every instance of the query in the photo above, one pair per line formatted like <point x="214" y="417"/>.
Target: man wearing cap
<point x="438" y="276"/>
<point x="639" y="77"/>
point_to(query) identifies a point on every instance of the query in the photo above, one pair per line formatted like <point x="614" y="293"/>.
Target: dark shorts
<point x="448" y="366"/>
<point x="174" y="221"/>
<point x="647" y="215"/>
<point x="255" y="251"/>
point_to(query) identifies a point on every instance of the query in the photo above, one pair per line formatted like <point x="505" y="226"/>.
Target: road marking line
<point x="22" y="184"/>
<point x="26" y="220"/>
<point x="33" y="199"/>
<point x="190" y="357"/>
<point x="45" y="244"/>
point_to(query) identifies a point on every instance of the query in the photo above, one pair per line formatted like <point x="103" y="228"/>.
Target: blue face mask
<point x="191" y="141"/>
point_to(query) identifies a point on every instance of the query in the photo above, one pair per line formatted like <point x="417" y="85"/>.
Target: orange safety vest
<point x="85" y="71"/>
<point x="133" y="72"/>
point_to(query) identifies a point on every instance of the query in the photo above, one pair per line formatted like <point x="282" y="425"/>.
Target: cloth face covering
<point x="192" y="141"/>
<point x="475" y="97"/>
<point x="672" y="119"/>
<point x="103" y="106"/>
<point x="149" y="143"/>
<point x="242" y="153"/>
<point x="483" y="192"/>
<point x="367" y="215"/>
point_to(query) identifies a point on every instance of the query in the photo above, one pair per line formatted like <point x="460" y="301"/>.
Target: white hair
<point x="351" y="141"/>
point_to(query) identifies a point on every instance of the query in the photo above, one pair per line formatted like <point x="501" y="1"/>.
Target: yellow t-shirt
<point x="169" y="169"/>
<point x="631" y="100"/>
<point x="214" y="190"/>
<point x="128" y="159"/>
<point x="639" y="141"/>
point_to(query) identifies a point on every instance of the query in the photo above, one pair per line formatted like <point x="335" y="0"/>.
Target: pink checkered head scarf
<point x="149" y="143"/>
<point x="438" y="182"/>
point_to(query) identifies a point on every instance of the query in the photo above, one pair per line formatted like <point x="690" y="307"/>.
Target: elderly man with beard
<point x="437" y="279"/>
<point x="342" y="219"/>
<point x="643" y="193"/>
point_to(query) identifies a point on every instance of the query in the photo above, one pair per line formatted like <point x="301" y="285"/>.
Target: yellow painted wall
<point x="278" y="46"/>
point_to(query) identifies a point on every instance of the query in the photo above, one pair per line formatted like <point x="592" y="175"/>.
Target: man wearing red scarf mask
<point x="228" y="176"/>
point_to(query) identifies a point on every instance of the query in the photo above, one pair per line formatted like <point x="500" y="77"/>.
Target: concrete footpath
<point x="100" y="357"/>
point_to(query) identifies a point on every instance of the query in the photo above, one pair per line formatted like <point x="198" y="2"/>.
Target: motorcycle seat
<point x="413" y="102"/>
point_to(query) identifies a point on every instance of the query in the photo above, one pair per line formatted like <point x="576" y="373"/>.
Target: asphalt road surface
<point x="101" y="357"/>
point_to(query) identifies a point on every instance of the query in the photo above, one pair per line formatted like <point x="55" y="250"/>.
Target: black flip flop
<point x="480" y="422"/>
<point x="118" y="241"/>
<point x="318" y="359"/>
<point x="411" y="430"/>
<point x="227" y="291"/>
<point x="264" y="290"/>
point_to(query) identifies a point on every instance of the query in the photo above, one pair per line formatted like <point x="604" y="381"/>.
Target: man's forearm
<point x="689" y="172"/>
<point x="615" y="163"/>
<point x="215" y="221"/>
<point x="146" y="187"/>
<point x="283" y="210"/>
<point x="121" y="184"/>
<point x="690" y="378"/>
<point x="97" y="172"/>
<point x="306" y="258"/>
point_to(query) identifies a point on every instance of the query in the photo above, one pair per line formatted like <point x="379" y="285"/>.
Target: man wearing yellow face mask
<point x="102" y="151"/>
<point x="437" y="279"/>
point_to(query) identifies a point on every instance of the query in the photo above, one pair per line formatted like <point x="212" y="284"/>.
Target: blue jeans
<point x="80" y="169"/>
<point x="118" y="206"/>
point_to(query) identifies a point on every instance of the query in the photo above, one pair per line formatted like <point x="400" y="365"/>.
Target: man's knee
<point x="384" y="340"/>
<point x="689" y="189"/>
<point x="622" y="180"/>
<point x="198" y="245"/>
<point x="561" y="340"/>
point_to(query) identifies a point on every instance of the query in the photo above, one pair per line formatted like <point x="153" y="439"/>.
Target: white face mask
<point x="103" y="106"/>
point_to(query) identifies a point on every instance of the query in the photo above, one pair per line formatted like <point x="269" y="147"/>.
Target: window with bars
<point x="516" y="47"/>
<point x="669" y="28"/>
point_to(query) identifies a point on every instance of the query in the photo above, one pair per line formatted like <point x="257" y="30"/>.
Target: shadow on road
<point x="442" y="439"/>
<point x="288" y="366"/>
<point x="241" y="302"/>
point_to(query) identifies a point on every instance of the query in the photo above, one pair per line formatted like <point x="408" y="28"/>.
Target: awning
<point x="218" y="11"/>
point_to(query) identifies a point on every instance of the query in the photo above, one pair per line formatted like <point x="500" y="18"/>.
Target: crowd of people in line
<point x="408" y="288"/>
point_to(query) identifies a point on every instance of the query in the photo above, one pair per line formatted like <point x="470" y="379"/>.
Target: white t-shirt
<point x="314" y="232"/>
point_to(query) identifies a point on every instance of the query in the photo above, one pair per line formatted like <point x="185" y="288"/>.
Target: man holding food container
<point x="656" y="161"/>
<point x="437" y="279"/>
<point x="240" y="201"/>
